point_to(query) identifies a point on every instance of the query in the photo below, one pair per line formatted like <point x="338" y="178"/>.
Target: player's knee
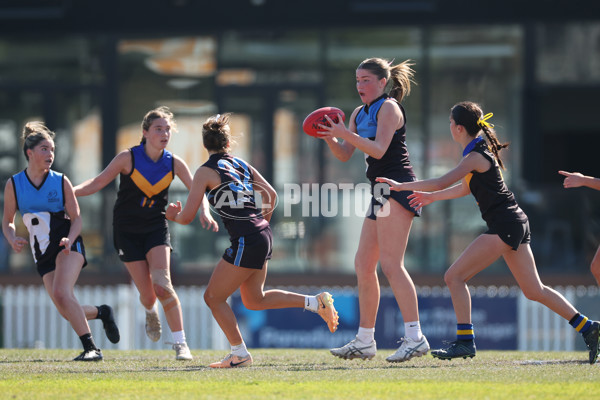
<point x="390" y="268"/>
<point x="164" y="289"/>
<point x="167" y="297"/>
<point x="61" y="297"/>
<point x="213" y="299"/>
<point x="254" y="306"/>
<point x="161" y="291"/>
<point x="534" y="293"/>
<point x="161" y="282"/>
<point x="451" y="279"/>
<point x="363" y="269"/>
<point x="209" y="298"/>
<point x="148" y="299"/>
<point x="253" y="303"/>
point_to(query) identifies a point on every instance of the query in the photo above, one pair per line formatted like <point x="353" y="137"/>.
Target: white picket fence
<point x="542" y="329"/>
<point x="30" y="320"/>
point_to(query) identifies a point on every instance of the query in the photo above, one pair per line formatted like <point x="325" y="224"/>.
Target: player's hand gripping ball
<point x="314" y="119"/>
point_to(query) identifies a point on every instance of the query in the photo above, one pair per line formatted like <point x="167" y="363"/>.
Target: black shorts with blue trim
<point x="513" y="233"/>
<point x="48" y="261"/>
<point x="381" y="194"/>
<point x="250" y="251"/>
<point x="133" y="246"/>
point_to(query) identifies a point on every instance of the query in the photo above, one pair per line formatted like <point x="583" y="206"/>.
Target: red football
<point x="314" y="119"/>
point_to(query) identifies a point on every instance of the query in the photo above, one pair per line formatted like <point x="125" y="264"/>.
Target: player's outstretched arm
<point x="120" y="164"/>
<point x="418" y="200"/>
<point x="183" y="172"/>
<point x="187" y="214"/>
<point x="576" y="179"/>
<point x="471" y="162"/>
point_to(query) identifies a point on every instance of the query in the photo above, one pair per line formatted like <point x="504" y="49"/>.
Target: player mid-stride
<point x="229" y="183"/>
<point x="50" y="212"/>
<point x="508" y="235"/>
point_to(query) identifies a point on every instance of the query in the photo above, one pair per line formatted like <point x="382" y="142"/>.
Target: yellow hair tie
<point x="483" y="120"/>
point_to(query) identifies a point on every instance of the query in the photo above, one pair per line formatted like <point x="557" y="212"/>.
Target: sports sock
<point x="581" y="323"/>
<point x="152" y="310"/>
<point x="239" y="350"/>
<point x="102" y="312"/>
<point x="311" y="303"/>
<point x="178" y="337"/>
<point x="365" y="335"/>
<point x="465" y="332"/>
<point x="87" y="342"/>
<point x="413" y="330"/>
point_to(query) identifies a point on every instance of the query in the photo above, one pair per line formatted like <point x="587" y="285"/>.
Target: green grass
<point x="295" y="374"/>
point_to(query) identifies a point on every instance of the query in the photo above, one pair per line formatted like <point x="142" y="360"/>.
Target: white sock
<point x="311" y="303"/>
<point x="152" y="310"/>
<point x="413" y="330"/>
<point x="239" y="350"/>
<point x="365" y="335"/>
<point x="178" y="337"/>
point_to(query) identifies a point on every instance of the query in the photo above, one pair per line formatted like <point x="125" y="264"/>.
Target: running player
<point x="508" y="234"/>
<point x="50" y="212"/>
<point x="378" y="128"/>
<point x="141" y="232"/>
<point x="229" y="184"/>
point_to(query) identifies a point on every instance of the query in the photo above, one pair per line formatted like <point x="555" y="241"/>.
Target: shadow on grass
<point x="551" y="362"/>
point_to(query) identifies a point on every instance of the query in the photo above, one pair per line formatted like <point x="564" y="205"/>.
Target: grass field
<point x="295" y="374"/>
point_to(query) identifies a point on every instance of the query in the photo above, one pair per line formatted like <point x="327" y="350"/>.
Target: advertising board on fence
<point x="494" y="317"/>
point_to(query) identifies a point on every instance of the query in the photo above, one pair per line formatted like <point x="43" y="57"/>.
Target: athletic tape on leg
<point x="161" y="278"/>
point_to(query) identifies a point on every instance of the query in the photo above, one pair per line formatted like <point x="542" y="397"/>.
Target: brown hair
<point x="401" y="75"/>
<point x="160" y="112"/>
<point x="469" y="114"/>
<point x="33" y="133"/>
<point x="216" y="133"/>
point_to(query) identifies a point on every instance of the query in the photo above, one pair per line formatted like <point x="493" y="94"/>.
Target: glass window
<point x="71" y="59"/>
<point x="562" y="102"/>
<point x="568" y="53"/>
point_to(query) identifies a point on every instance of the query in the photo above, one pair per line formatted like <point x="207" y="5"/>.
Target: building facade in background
<point x="540" y="79"/>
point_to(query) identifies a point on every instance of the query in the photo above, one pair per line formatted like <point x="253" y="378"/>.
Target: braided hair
<point x="470" y="115"/>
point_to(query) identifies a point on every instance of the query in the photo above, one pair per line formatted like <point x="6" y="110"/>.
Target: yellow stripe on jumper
<point x="468" y="178"/>
<point x="146" y="187"/>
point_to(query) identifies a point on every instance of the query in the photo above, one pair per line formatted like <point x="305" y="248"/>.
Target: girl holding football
<point x="378" y="128"/>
